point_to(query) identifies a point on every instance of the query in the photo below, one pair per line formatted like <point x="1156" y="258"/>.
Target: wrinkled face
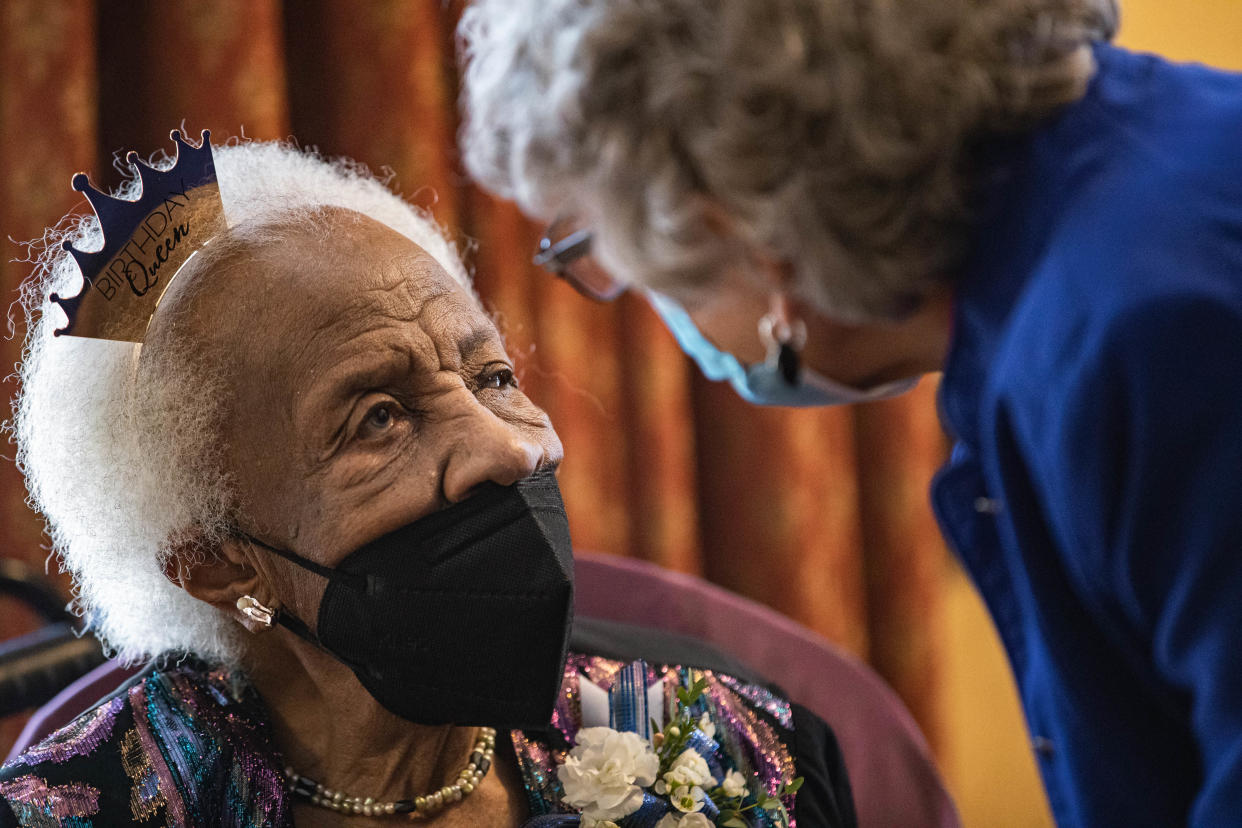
<point x="368" y="390"/>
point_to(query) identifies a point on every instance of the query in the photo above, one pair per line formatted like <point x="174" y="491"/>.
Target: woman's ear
<point x="219" y="576"/>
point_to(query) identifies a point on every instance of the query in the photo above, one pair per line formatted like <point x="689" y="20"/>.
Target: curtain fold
<point x="162" y="66"/>
<point x="821" y="514"/>
<point x="899" y="445"/>
<point x="48" y="123"/>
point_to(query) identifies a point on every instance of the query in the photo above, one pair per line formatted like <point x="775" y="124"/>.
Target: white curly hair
<point x="836" y="134"/>
<point x="116" y="492"/>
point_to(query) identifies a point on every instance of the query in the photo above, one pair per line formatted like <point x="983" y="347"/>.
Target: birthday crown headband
<point x="146" y="242"/>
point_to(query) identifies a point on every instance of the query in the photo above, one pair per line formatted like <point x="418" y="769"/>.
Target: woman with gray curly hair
<point x="825" y="199"/>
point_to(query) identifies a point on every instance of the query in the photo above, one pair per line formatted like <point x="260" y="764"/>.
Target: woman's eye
<point x="380" y="417"/>
<point x="383" y="417"/>
<point x="498" y="379"/>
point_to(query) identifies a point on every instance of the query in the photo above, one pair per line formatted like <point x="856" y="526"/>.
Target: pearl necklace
<point x="420" y="807"/>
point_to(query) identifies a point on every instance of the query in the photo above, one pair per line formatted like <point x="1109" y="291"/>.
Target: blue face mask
<point x="762" y="383"/>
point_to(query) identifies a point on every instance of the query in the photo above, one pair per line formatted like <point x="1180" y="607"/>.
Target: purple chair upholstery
<point x="894" y="780"/>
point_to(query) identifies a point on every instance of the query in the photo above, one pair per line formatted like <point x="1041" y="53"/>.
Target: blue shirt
<point x="1094" y="386"/>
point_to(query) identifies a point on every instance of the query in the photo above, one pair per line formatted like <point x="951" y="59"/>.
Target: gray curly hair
<point x="836" y="134"/>
<point x="122" y="458"/>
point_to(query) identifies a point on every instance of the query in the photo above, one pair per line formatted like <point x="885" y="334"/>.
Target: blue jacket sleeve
<point x="1143" y="489"/>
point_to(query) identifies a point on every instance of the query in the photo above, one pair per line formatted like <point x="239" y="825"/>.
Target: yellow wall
<point x="1207" y="31"/>
<point x="984" y="747"/>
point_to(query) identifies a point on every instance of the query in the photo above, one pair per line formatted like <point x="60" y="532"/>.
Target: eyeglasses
<point x="565" y="252"/>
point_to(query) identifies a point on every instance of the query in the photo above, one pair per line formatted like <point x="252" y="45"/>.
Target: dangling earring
<point x="255" y="611"/>
<point x="784" y="340"/>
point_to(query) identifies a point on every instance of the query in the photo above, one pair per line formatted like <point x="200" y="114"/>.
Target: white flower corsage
<point x="610" y="774"/>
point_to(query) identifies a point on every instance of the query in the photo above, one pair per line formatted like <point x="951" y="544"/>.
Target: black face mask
<point x="463" y="616"/>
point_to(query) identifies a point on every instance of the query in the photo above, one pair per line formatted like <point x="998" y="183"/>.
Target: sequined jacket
<point x="184" y="744"/>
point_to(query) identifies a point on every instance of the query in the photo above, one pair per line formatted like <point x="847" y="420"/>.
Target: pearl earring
<point x="784" y="341"/>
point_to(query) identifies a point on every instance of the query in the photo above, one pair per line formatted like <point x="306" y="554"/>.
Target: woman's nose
<point x="488" y="450"/>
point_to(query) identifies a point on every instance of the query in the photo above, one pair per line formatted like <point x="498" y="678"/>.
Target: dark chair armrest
<point x="35" y="667"/>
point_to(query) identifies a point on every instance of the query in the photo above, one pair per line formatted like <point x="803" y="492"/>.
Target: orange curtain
<point x="821" y="514"/>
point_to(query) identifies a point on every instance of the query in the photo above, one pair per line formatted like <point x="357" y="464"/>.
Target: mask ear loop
<point x="250" y="607"/>
<point x="784" y="341"/>
<point x="268" y="617"/>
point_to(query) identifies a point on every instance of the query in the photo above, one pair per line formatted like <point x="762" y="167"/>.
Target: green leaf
<point x="696" y="690"/>
<point x="734" y="822"/>
<point x="793" y="786"/>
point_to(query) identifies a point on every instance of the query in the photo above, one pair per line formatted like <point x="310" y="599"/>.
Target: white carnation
<point x="695" y="821"/>
<point x="688" y="770"/>
<point x="734" y="784"/>
<point x="604" y="774"/>
<point x="684" y="821"/>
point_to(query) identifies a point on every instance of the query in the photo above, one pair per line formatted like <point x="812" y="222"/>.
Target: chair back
<point x="894" y="780"/>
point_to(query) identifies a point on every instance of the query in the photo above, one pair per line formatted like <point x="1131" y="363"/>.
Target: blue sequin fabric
<point x="187" y="745"/>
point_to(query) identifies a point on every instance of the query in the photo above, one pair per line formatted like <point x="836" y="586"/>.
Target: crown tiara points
<point x="146" y="241"/>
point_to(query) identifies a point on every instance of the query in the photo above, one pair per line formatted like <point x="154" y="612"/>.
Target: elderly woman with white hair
<point x="825" y="199"/>
<point x="281" y="449"/>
